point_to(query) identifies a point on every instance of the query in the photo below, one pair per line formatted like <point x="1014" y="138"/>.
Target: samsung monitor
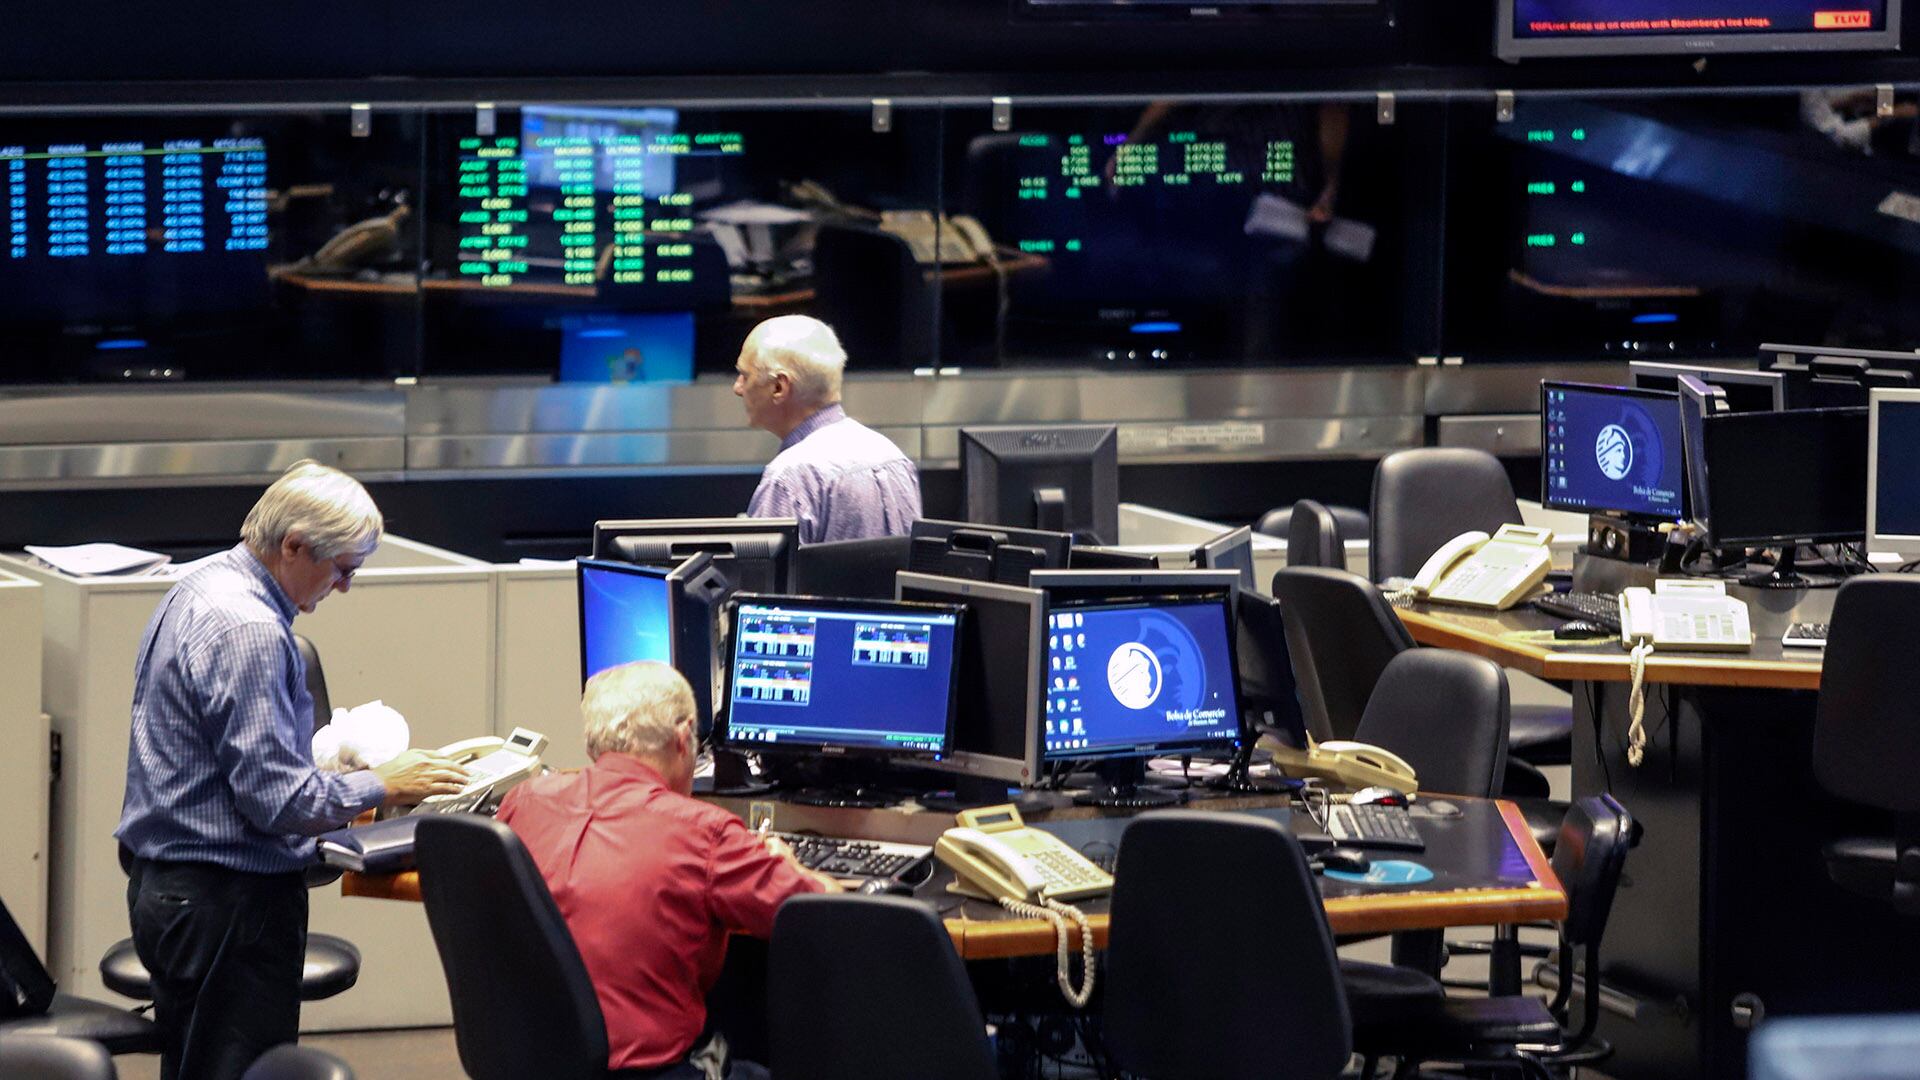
<point x="984" y="552"/>
<point x="1611" y="449"/>
<point x="1746" y="390"/>
<point x="756" y="554"/>
<point x="996" y="731"/>
<point x="630" y="612"/>
<point x="1231" y="550"/>
<point x="1060" y="478"/>
<point x="809" y="675"/>
<point x="1565" y="28"/>
<point x="1893" y="470"/>
<point x="1786" y="479"/>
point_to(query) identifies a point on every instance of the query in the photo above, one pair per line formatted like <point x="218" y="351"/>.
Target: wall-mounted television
<point x="1539" y="28"/>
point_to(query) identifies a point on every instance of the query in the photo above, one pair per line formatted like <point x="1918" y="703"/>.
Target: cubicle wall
<point x="25" y="765"/>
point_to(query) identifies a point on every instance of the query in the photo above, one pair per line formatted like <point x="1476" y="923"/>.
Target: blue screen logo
<point x="1614" y="452"/>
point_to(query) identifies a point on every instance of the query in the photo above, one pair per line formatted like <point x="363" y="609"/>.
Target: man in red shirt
<point x="650" y="880"/>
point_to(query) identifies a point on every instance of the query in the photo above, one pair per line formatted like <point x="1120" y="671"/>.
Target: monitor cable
<point x="1637" y="704"/>
<point x="1058" y="913"/>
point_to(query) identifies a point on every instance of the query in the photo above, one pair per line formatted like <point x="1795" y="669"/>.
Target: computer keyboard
<point x="1808" y="635"/>
<point x="1602" y="608"/>
<point x="1374" y="825"/>
<point x="839" y="857"/>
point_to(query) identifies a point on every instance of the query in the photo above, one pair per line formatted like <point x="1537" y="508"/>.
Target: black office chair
<point x="332" y="964"/>
<point x="290" y="1062"/>
<point x="1445" y="713"/>
<point x="496" y="927"/>
<point x="870" y="988"/>
<point x="879" y="299"/>
<point x="1863" y="745"/>
<point x="51" y="1057"/>
<point x="856" y="569"/>
<point x="1422" y="499"/>
<point x="49" y="1013"/>
<point x="1313" y="537"/>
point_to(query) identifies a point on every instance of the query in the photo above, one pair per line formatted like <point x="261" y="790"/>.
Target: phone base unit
<point x="1489" y="572"/>
<point x="995" y="855"/>
<point x="1343" y="764"/>
<point x="1690" y="615"/>
<point x="493" y="765"/>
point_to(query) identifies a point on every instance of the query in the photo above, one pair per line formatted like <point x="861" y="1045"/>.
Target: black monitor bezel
<point x="694" y="530"/>
<point x="1716" y="534"/>
<point x="723" y="728"/>
<point x="1026" y="770"/>
<point x="1546" y="491"/>
<point x="1100" y="459"/>
<point x="1510" y="46"/>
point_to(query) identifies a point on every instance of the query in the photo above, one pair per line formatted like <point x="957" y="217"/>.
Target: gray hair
<point x="328" y="508"/>
<point x="632" y="708"/>
<point x="805" y="349"/>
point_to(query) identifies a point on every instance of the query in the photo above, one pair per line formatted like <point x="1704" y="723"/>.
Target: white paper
<point x="747" y="212"/>
<point x="1278" y="217"/>
<point x="92" y="560"/>
<point x="1350" y="239"/>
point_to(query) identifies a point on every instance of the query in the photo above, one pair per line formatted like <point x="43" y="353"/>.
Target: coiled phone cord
<point x="1637" y="705"/>
<point x="1057" y="913"/>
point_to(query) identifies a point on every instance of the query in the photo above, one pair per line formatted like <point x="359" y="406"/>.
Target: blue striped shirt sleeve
<point x="263" y="749"/>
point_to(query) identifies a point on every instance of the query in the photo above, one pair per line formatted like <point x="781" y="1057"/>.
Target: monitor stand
<point x="731" y="776"/>
<point x="972" y="792"/>
<point x="1123" y="786"/>
<point x="857" y="785"/>
<point x="1239" y="779"/>
<point x="1785" y="576"/>
<point x="1050" y="509"/>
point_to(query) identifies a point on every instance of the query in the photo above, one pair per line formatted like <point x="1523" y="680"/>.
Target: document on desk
<point x="99" y="560"/>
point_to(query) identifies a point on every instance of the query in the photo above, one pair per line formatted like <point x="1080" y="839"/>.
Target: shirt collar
<point x="628" y="766"/>
<point x="832" y="414"/>
<point x="243" y="558"/>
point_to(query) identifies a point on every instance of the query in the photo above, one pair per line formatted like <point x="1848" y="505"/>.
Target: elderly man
<point x="841" y="479"/>
<point x="223" y="799"/>
<point x="650" y="880"/>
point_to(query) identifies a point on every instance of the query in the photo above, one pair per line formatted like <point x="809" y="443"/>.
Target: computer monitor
<point x="1129" y="679"/>
<point x="756" y="554"/>
<point x="1061" y="478"/>
<point x="1893" y="470"/>
<point x="1565" y="28"/>
<point x="1823" y="376"/>
<point x="996" y="731"/>
<point x="862" y="569"/>
<point x="1072" y="586"/>
<point x="1697" y="402"/>
<point x="811" y="675"/>
<point x="1746" y="390"/>
<point x="1611" y="449"/>
<point x="630" y="612"/>
<point x="1231" y="550"/>
<point x="1786" y="478"/>
<point x="984" y="552"/>
<point x="1089" y="557"/>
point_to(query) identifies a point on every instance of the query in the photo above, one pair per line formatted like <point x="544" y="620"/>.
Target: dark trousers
<point x="225" y="950"/>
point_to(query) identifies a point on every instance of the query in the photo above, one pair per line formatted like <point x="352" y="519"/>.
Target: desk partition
<point x="24" y="763"/>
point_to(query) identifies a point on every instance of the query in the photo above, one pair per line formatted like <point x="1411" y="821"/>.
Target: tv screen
<point x="1615" y="27"/>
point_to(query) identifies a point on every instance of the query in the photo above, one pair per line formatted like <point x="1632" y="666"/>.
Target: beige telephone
<point x="995" y="854"/>
<point x="1475" y="570"/>
<point x="494" y="765"/>
<point x="1678" y="615"/>
<point x="940" y="239"/>
<point x="1350" y="765"/>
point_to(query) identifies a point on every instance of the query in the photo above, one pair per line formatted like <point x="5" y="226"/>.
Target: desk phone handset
<point x="1481" y="571"/>
<point x="493" y="765"/>
<point x="996" y="856"/>
<point x="1696" y="615"/>
<point x="1348" y="765"/>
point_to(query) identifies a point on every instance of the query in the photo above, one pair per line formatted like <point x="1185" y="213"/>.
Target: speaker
<point x="1613" y="538"/>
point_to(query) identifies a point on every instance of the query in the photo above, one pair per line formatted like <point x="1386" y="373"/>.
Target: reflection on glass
<point x="639" y="244"/>
<point x="1691" y="226"/>
<point x="1180" y="234"/>
<point x="211" y="246"/>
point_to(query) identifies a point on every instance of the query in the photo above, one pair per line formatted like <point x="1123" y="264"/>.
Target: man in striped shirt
<point x="223" y="799"/>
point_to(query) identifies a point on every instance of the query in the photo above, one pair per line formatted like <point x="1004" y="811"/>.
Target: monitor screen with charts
<point x="871" y="676"/>
<point x="1133" y="678"/>
<point x="1610" y="448"/>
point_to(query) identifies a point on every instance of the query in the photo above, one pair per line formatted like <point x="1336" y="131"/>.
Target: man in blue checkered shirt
<point x="223" y="799"/>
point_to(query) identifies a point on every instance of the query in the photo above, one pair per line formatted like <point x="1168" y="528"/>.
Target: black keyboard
<point x="1593" y="607"/>
<point x="839" y="857"/>
<point x="1810" y="635"/>
<point x="1373" y="825"/>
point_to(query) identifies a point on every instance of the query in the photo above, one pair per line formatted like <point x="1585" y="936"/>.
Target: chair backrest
<point x="1275" y="522"/>
<point x="54" y="1057"/>
<point x="1255" y="992"/>
<point x="1863" y="745"/>
<point x="290" y="1062"/>
<point x="1426" y="497"/>
<point x="26" y="987"/>
<point x="1342" y="633"/>
<point x="870" y="988"/>
<point x="1313" y="537"/>
<point x="522" y="1002"/>
<point x="1588" y="857"/>
<point x="316" y="681"/>
<point x="854" y="569"/>
<point x="1447" y="713"/>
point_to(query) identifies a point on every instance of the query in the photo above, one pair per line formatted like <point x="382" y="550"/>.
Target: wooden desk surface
<point x="1516" y="639"/>
<point x="1511" y="882"/>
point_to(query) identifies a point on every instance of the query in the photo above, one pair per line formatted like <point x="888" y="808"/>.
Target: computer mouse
<point x="1349" y="860"/>
<point x="883" y="887"/>
<point x="1382" y="796"/>
<point x="1582" y="630"/>
<point x="1441" y="807"/>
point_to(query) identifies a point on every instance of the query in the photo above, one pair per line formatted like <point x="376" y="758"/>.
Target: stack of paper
<point x="98" y="560"/>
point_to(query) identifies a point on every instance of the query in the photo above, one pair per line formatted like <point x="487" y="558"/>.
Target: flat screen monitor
<point x="996" y="732"/>
<point x="1893" y="470"/>
<point x="630" y="612"/>
<point x="984" y="552"/>
<point x="1089" y="557"/>
<point x="1746" y="390"/>
<point x="1787" y="477"/>
<point x="1134" y="678"/>
<point x="1697" y="402"/>
<point x="869" y="677"/>
<point x="1542" y="28"/>
<point x="1267" y="687"/>
<point x="1611" y="449"/>
<point x="1070" y="586"/>
<point x="1062" y="478"/>
<point x="1231" y="550"/>
<point x="1789" y="358"/>
<point x="756" y="554"/>
<point x="860" y="569"/>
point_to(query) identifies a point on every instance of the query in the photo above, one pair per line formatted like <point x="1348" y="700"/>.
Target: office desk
<point x="1726" y="901"/>
<point x="1488" y="870"/>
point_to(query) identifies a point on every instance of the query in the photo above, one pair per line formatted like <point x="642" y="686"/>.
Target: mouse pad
<point x="1386" y="872"/>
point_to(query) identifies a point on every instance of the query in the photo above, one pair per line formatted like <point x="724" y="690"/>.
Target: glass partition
<point x="640" y="242"/>
<point x="1637" y="227"/>
<point x="207" y="245"/>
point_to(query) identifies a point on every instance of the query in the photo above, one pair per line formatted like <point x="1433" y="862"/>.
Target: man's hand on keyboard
<point x="780" y="849"/>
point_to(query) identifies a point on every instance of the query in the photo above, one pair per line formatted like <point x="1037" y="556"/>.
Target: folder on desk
<point x="380" y="847"/>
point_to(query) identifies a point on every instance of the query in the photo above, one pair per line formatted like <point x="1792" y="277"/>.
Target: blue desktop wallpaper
<point x="1139" y="676"/>
<point x="624" y="617"/>
<point x="1603" y="450"/>
<point x="1897" y="473"/>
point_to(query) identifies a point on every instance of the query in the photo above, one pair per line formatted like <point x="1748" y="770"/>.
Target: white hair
<point x="803" y="348"/>
<point x="633" y="708"/>
<point x="328" y="508"/>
